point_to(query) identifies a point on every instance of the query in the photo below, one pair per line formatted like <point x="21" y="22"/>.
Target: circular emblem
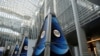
<point x="8" y="47"/>
<point x="42" y="34"/>
<point x="15" y="52"/>
<point x="25" y="47"/>
<point x="56" y="33"/>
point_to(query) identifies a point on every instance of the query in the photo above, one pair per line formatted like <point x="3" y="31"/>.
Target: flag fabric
<point x="15" y="53"/>
<point x="40" y="45"/>
<point x="59" y="45"/>
<point x="1" y="51"/>
<point x="24" y="47"/>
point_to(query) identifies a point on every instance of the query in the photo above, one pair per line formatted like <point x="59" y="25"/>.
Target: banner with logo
<point x="59" y="45"/>
<point x="15" y="53"/>
<point x="40" y="45"/>
<point x="24" y="47"/>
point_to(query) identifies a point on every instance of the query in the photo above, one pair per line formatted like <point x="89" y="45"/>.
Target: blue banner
<point x="1" y="51"/>
<point x="59" y="46"/>
<point x="15" y="53"/>
<point x="40" y="45"/>
<point x="24" y="47"/>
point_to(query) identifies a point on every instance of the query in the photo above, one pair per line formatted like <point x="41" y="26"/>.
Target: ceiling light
<point x="6" y="15"/>
<point x="5" y="30"/>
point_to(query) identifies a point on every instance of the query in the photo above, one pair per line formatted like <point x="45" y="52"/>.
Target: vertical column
<point x="48" y="37"/>
<point x="21" y="46"/>
<point x="76" y="51"/>
<point x="83" y="49"/>
<point x="48" y="34"/>
<point x="45" y="8"/>
<point x="52" y="6"/>
<point x="48" y="4"/>
<point x="98" y="47"/>
<point x="54" y="3"/>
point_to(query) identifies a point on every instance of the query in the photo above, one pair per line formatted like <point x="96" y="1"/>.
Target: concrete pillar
<point x="98" y="47"/>
<point x="83" y="48"/>
<point x="76" y="51"/>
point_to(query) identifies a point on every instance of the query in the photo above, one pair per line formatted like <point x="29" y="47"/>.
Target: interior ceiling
<point x="22" y="7"/>
<point x="16" y="13"/>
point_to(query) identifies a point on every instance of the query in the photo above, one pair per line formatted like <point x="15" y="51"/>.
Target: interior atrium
<point x="49" y="28"/>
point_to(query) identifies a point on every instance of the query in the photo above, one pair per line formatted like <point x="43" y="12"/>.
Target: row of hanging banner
<point x="15" y="51"/>
<point x="58" y="44"/>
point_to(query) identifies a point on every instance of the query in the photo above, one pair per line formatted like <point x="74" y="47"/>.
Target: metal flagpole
<point x="45" y="8"/>
<point x="14" y="48"/>
<point x="48" y="35"/>
<point x="21" y="46"/>
<point x="83" y="49"/>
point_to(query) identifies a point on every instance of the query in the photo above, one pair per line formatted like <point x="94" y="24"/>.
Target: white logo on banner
<point x="56" y="33"/>
<point x="15" y="52"/>
<point x="25" y="47"/>
<point x="42" y="34"/>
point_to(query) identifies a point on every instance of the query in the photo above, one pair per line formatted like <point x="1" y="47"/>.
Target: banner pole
<point x="48" y="36"/>
<point x="83" y="48"/>
<point x="21" y="46"/>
